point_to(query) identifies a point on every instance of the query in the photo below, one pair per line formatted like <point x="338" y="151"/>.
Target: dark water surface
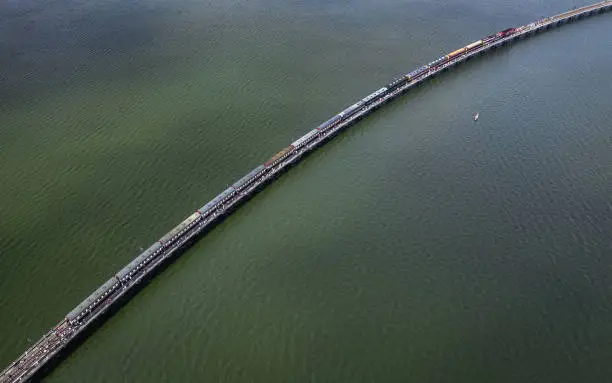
<point x="417" y="246"/>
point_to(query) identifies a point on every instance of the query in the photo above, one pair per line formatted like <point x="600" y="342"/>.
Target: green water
<point x="416" y="246"/>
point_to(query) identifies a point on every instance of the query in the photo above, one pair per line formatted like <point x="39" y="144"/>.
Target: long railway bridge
<point x="43" y="355"/>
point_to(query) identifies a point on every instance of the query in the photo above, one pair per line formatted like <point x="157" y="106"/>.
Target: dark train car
<point x="397" y="83"/>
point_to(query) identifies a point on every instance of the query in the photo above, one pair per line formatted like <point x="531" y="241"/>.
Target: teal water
<point x="416" y="246"/>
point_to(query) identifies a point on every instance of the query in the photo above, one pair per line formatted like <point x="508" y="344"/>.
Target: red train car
<point x="507" y="32"/>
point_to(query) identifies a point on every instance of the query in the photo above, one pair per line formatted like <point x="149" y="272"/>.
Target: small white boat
<point x="476" y="116"/>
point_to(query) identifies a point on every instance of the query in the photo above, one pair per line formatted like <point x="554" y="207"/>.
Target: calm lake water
<point x="417" y="246"/>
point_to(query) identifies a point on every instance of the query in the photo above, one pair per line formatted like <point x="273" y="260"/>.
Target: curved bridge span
<point x="43" y="355"/>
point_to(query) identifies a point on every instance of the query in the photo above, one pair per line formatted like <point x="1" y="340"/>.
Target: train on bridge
<point x="98" y="298"/>
<point x="131" y="270"/>
<point x="128" y="277"/>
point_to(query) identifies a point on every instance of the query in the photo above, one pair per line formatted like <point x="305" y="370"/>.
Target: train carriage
<point x="374" y="96"/>
<point x="396" y="83"/>
<point x="212" y="203"/>
<point x="506" y="32"/>
<point x="437" y="62"/>
<point x="456" y="53"/>
<point x="278" y="156"/>
<point x="133" y="265"/>
<point x="412" y="75"/>
<point x="245" y="180"/>
<point x="173" y="234"/>
<point x="473" y="45"/>
<point x="91" y="301"/>
<point x="351" y="109"/>
<point x="329" y="123"/>
<point x="304" y="139"/>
